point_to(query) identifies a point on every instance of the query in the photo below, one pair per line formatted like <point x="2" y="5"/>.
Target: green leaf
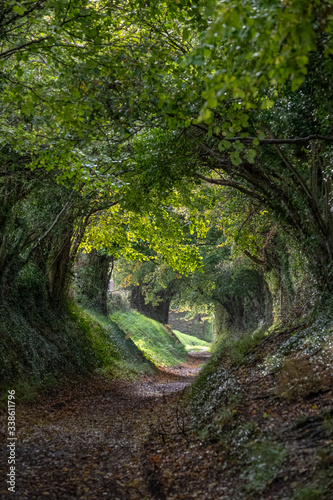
<point x="186" y="34"/>
<point x="251" y="155"/>
<point x="239" y="146"/>
<point x="212" y="102"/>
<point x="226" y="143"/>
<point x="235" y="158"/>
<point x="267" y="104"/>
<point x="19" y="9"/>
<point x="206" y="114"/>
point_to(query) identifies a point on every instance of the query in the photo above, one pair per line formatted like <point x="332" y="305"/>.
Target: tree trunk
<point x="59" y="272"/>
<point x="159" y="313"/>
<point x="220" y="321"/>
<point x="93" y="276"/>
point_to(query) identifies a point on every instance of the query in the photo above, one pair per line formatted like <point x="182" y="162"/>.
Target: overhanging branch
<point x="275" y="140"/>
<point x="252" y="257"/>
<point x="228" y="183"/>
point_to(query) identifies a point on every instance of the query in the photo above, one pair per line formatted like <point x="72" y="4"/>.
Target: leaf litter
<point x="102" y="438"/>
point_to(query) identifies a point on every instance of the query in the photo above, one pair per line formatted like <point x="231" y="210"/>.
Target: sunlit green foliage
<point x="190" y="342"/>
<point x="158" y="344"/>
<point x="142" y="237"/>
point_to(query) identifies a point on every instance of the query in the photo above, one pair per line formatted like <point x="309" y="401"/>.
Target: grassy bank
<point x="40" y="349"/>
<point x="190" y="342"/>
<point x="158" y="343"/>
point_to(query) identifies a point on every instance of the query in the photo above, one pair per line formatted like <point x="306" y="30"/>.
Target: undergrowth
<point x="238" y="349"/>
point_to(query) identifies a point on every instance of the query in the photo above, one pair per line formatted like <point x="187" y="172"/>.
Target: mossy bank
<point x="38" y="350"/>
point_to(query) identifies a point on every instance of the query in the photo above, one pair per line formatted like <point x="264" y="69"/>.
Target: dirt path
<point x="133" y="441"/>
<point x="92" y="440"/>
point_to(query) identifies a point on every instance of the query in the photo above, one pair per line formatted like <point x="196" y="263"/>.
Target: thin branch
<point x="249" y="217"/>
<point x="289" y="140"/>
<point x="255" y="259"/>
<point x="64" y="208"/>
<point x="229" y="183"/>
<point x="9" y="52"/>
<point x="66" y="13"/>
<point x="311" y="201"/>
<point x="214" y="154"/>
